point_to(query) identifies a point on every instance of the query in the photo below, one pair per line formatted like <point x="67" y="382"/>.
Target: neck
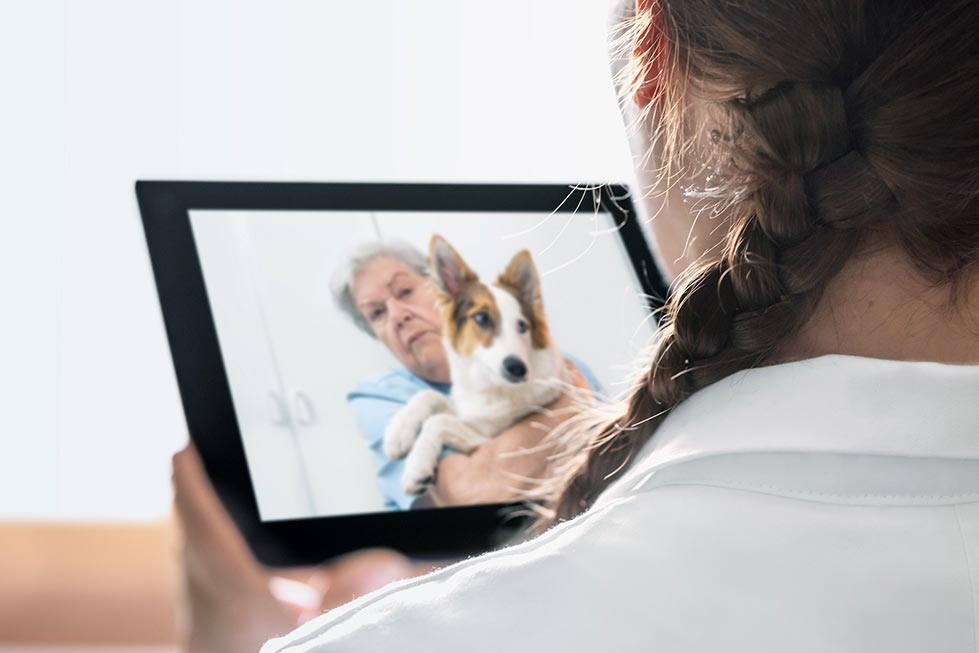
<point x="879" y="306"/>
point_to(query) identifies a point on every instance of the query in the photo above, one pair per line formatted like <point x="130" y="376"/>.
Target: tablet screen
<point x="305" y="304"/>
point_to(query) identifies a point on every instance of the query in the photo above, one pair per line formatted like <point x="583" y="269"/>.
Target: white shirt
<point x="827" y="505"/>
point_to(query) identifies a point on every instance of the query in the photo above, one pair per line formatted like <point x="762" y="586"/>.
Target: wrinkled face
<point x="399" y="306"/>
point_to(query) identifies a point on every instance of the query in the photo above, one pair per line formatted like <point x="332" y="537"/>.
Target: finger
<point x="575" y="377"/>
<point x="302" y="600"/>
<point x="362" y="572"/>
<point x="209" y="532"/>
<point x="194" y="495"/>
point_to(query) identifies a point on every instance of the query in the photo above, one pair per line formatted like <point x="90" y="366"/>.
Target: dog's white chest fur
<point x="470" y="419"/>
<point x="490" y="410"/>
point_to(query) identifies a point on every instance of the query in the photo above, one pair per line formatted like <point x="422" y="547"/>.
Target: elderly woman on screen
<point x="383" y="287"/>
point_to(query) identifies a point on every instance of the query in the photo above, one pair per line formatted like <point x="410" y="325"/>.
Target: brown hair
<point x="828" y="123"/>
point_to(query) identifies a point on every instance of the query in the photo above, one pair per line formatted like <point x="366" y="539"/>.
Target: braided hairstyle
<point x="830" y="124"/>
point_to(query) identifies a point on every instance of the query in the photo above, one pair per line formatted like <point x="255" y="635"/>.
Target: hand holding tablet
<point x="234" y="603"/>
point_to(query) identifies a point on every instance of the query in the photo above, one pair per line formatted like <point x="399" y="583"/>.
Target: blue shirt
<point x="375" y="401"/>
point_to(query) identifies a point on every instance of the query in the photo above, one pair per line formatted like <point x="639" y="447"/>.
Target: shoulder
<point x="395" y="384"/>
<point x="600" y="567"/>
<point x="586" y="372"/>
<point x="768" y="571"/>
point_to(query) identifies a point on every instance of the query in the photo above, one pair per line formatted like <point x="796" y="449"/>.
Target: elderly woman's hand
<point x="514" y="461"/>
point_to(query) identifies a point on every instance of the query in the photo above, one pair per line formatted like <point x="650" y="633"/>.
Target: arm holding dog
<point x="439" y="431"/>
<point x="492" y="473"/>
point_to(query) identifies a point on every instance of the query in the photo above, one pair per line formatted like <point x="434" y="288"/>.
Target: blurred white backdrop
<point x="100" y="93"/>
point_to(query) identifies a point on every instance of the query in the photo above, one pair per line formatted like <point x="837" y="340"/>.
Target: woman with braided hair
<point x="843" y="167"/>
<point x="797" y="465"/>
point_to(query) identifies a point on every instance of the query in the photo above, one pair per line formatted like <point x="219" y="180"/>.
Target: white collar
<point x="830" y="405"/>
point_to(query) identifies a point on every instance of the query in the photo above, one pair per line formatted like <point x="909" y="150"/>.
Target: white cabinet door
<point x="319" y="351"/>
<point x="224" y="244"/>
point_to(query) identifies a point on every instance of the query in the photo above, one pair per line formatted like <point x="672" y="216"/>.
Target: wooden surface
<point x="88" y="584"/>
<point x="86" y="648"/>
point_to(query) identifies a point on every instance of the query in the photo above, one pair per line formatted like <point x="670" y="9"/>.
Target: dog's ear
<point x="521" y="278"/>
<point x="448" y="271"/>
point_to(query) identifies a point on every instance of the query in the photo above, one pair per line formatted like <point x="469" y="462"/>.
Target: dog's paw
<point x="400" y="434"/>
<point x="419" y="469"/>
<point x="416" y="486"/>
<point x="401" y="431"/>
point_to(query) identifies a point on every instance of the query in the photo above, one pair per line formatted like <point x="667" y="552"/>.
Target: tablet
<point x="288" y="385"/>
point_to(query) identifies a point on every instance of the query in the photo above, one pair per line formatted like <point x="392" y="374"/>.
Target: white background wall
<point x="97" y="94"/>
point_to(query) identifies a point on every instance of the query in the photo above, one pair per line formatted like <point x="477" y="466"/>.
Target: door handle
<point x="278" y="411"/>
<point x="305" y="412"/>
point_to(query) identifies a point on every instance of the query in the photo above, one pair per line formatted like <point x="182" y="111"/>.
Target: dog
<point x="502" y="363"/>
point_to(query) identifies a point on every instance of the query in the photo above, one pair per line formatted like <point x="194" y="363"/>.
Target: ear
<point x="449" y="272"/>
<point x="648" y="52"/>
<point x="521" y="276"/>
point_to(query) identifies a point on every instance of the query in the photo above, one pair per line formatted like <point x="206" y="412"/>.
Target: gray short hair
<point x="349" y="268"/>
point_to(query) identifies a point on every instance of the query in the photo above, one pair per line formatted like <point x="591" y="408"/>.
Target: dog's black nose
<point x="514" y="369"/>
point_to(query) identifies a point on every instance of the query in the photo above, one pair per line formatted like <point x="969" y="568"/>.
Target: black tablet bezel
<point x="204" y="390"/>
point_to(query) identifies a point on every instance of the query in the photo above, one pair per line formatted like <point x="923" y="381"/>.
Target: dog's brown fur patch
<point x="461" y="330"/>
<point x="527" y="292"/>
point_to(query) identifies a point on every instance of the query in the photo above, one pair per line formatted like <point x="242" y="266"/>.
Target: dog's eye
<point x="522" y="327"/>
<point x="482" y="319"/>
